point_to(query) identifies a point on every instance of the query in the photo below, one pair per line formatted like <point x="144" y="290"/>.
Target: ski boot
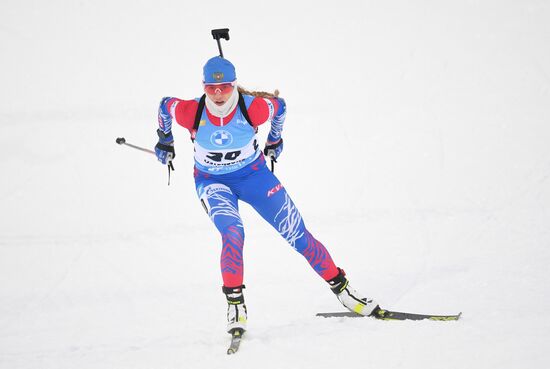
<point x="349" y="297"/>
<point x="236" y="309"/>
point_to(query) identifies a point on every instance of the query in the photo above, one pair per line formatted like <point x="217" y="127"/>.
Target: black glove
<point x="165" y="147"/>
<point x="274" y="150"/>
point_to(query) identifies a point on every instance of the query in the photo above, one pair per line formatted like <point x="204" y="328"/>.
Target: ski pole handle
<point x="122" y="141"/>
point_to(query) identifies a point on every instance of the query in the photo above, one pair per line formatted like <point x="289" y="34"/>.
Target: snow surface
<point x="427" y="177"/>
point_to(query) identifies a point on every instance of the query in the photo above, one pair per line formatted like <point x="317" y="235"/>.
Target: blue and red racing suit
<point x="229" y="167"/>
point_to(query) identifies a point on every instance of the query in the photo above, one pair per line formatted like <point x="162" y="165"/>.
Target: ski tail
<point x="236" y="335"/>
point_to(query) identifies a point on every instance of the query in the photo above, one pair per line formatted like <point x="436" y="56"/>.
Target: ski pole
<point x="273" y="161"/>
<point x="219" y="34"/>
<point x="122" y="141"/>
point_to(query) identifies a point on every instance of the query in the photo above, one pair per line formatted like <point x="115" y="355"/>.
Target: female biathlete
<point x="229" y="166"/>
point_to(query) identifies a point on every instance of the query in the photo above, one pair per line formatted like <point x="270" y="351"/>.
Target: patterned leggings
<point x="257" y="186"/>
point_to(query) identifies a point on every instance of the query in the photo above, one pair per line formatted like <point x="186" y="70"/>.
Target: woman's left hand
<point x="273" y="149"/>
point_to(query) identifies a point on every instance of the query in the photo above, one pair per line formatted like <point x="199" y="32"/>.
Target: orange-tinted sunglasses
<point x="221" y="88"/>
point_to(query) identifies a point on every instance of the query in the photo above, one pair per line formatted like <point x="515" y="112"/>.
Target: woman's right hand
<point x="165" y="147"/>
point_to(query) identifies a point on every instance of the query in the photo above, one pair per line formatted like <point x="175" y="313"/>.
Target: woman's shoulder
<point x="260" y="109"/>
<point x="184" y="111"/>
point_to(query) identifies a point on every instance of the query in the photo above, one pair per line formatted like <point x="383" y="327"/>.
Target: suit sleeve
<point x="263" y="110"/>
<point x="181" y="111"/>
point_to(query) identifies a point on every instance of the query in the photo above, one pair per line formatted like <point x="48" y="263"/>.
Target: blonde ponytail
<point x="263" y="94"/>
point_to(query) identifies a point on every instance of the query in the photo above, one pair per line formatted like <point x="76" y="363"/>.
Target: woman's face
<point x="219" y="93"/>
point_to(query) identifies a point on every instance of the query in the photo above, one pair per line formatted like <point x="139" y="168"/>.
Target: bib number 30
<point x="219" y="156"/>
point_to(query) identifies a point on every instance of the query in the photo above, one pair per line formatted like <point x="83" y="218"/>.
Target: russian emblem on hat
<point x="218" y="70"/>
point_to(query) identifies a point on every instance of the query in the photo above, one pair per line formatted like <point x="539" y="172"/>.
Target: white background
<point x="416" y="148"/>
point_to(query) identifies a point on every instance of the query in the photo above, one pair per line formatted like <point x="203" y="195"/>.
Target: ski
<point x="383" y="314"/>
<point x="236" y="336"/>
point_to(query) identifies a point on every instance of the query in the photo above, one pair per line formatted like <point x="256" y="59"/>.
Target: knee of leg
<point x="306" y="244"/>
<point x="233" y="231"/>
<point x="301" y="244"/>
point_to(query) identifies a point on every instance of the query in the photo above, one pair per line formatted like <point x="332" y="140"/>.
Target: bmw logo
<point x="221" y="138"/>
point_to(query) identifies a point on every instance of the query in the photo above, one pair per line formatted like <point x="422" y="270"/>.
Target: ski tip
<point x="383" y="314"/>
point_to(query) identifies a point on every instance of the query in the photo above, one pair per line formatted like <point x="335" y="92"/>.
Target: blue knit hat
<point x="218" y="70"/>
